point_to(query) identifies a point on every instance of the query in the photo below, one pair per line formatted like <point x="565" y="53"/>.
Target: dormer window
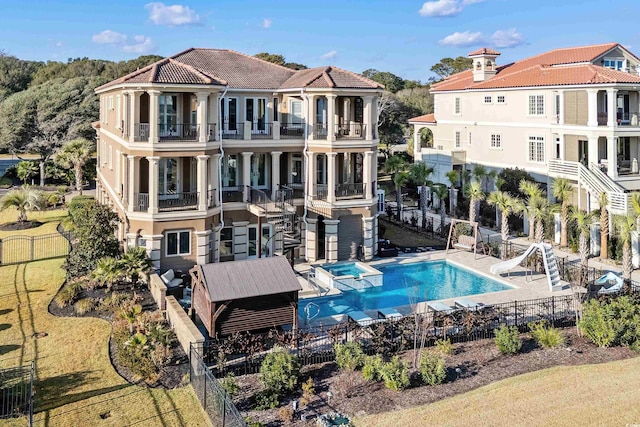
<point x="614" y="64"/>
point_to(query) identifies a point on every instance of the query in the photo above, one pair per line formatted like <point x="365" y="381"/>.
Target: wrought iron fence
<point x="20" y="248"/>
<point x="16" y="392"/>
<point x="212" y="396"/>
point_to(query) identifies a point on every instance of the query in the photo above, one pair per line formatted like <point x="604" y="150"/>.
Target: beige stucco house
<point x="570" y="112"/>
<point x="212" y="155"/>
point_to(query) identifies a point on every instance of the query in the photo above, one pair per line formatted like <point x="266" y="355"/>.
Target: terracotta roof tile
<point x="427" y="118"/>
<point x="329" y="77"/>
<point x="484" y="51"/>
<point x="547" y="69"/>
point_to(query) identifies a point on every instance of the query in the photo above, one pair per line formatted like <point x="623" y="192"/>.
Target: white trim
<point x="166" y="233"/>
<point x="544" y="105"/>
<point x="544" y="149"/>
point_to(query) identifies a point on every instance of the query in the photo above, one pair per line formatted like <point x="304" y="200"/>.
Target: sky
<point x="401" y="36"/>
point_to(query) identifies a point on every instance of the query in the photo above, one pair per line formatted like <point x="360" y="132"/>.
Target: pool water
<point x="404" y="284"/>
<point x="346" y="269"/>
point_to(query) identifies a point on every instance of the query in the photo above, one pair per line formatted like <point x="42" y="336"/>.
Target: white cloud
<point x="330" y="55"/>
<point x="173" y="15"/>
<point x="142" y="45"/>
<point x="266" y="23"/>
<point x="507" y="38"/>
<point x="109" y="37"/>
<point x="58" y="44"/>
<point x="459" y="39"/>
<point x="440" y="8"/>
<point x="467" y="2"/>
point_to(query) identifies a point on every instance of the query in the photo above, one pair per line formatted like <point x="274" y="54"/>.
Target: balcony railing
<point x="292" y="131"/>
<point x="230" y="133"/>
<point x="320" y="191"/>
<point x="211" y="132"/>
<point x="141" y="132"/>
<point x="350" y="191"/>
<point x="320" y="131"/>
<point x="185" y="132"/>
<point x="297" y="189"/>
<point x="141" y="202"/>
<point x="232" y="194"/>
<point x="177" y="201"/>
<point x="622" y="119"/>
<point x="350" y="131"/>
<point x="261" y="130"/>
<point x="212" y="198"/>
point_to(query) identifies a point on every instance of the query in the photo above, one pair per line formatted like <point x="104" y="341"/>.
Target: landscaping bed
<point x="19" y="225"/>
<point x="472" y="365"/>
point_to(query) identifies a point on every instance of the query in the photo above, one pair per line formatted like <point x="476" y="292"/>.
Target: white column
<point x="202" y="246"/>
<point x="154" y="246"/>
<point x="561" y="113"/>
<point x="331" y="117"/>
<point x="592" y="107"/>
<point x="368" y="237"/>
<point x="153" y="184"/>
<point x="214" y="167"/>
<point x="331" y="239"/>
<point x="310" y="179"/>
<point x="310" y="240"/>
<point x="592" y="150"/>
<point x="612" y="157"/>
<point x="368" y="178"/>
<point x="202" y="113"/>
<point x="310" y="117"/>
<point x="331" y="177"/>
<point x="368" y="116"/>
<point x="416" y="143"/>
<point x="562" y="154"/>
<point x="154" y="115"/>
<point x="611" y="107"/>
<point x="246" y="173"/>
<point x="132" y="105"/>
<point x="202" y="182"/>
<point x="275" y="172"/>
<point x="131" y="183"/>
<point x="213" y="117"/>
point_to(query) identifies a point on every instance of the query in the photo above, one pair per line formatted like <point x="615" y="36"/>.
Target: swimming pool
<point x="403" y="284"/>
<point x="346" y="269"/>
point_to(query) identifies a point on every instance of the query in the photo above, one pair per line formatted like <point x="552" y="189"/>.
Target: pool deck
<point x="526" y="286"/>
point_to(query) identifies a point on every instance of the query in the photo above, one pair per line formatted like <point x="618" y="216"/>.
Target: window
<point x="469" y="140"/>
<point x="457" y="105"/>
<point x="457" y="139"/>
<point x="614" y="64"/>
<point x="226" y="241"/>
<point x="536" y="149"/>
<point x="536" y="105"/>
<point x="488" y="99"/>
<point x="496" y="140"/>
<point x="178" y="243"/>
<point x="501" y="99"/>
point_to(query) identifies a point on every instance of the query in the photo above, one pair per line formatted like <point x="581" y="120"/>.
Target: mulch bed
<point x="16" y="226"/>
<point x="171" y="375"/>
<point x="479" y="363"/>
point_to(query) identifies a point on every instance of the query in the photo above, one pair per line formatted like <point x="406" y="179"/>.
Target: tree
<point x="475" y="194"/>
<point x="539" y="210"/>
<point x="23" y="200"/>
<point x="392" y="118"/>
<point x="625" y="225"/>
<point x="532" y="191"/>
<point x="397" y="166"/>
<point x="130" y="313"/>
<point x="582" y="220"/>
<point x="510" y="179"/>
<point x="278" y="59"/>
<point x="75" y="154"/>
<point x="449" y="66"/>
<point x="135" y="263"/>
<point x="420" y="174"/>
<point x="452" y="176"/>
<point x="507" y="206"/>
<point x="417" y="101"/>
<point x="604" y="225"/>
<point x="391" y="82"/>
<point x="635" y="204"/>
<point x="15" y="74"/>
<point x="441" y="192"/>
<point x="563" y="191"/>
<point x="107" y="272"/>
<point x="26" y="170"/>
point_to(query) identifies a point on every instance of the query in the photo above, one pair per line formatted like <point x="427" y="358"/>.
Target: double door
<point x="260" y="239"/>
<point x="256" y="113"/>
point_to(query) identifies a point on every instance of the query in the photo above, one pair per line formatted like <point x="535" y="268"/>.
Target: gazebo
<point x="247" y="295"/>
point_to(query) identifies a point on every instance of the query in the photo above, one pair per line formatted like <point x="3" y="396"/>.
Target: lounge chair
<point x="169" y="278"/>
<point x="610" y="282"/>
<point x="360" y="318"/>
<point x="467" y="303"/>
<point x="439" y="306"/>
<point x="389" y="313"/>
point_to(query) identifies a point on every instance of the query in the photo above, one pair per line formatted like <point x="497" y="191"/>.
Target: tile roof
<point x="484" y="51"/>
<point x="221" y="67"/>
<point x="568" y="66"/>
<point x="427" y="118"/>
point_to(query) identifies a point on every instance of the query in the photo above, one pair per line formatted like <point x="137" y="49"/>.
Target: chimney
<point x="484" y="63"/>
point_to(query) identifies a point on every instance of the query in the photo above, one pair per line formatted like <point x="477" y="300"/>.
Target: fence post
<point x="346" y="332"/>
<point x="515" y="312"/>
<point x="553" y="310"/>
<point x="31" y="258"/>
<point x="204" y="394"/>
<point x="224" y="405"/>
<point x="31" y="393"/>
<point x="0" y="251"/>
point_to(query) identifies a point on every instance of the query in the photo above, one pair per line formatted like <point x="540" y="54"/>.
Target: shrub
<point x="395" y="374"/>
<point x="114" y="301"/>
<point x="84" y="306"/>
<point x="432" y="369"/>
<point x="444" y="346"/>
<point x="252" y="423"/>
<point x="546" y="336"/>
<point x="266" y="399"/>
<point x="349" y="356"/>
<point x="279" y="371"/>
<point x="230" y="385"/>
<point x="66" y="296"/>
<point x="612" y="322"/>
<point x="308" y="391"/>
<point x="508" y="339"/>
<point x="372" y="369"/>
<point x="596" y="324"/>
<point x="286" y="414"/>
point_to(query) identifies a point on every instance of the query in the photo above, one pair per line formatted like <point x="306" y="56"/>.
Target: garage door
<point x="349" y="236"/>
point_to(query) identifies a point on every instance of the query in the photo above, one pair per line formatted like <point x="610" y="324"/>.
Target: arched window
<point x="478" y="65"/>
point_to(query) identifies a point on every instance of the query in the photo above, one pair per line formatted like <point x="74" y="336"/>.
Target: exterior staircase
<point x="551" y="267"/>
<point x="280" y="213"/>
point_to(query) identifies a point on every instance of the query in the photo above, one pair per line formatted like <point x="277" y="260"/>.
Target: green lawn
<point x="75" y="381"/>
<point x="604" y="394"/>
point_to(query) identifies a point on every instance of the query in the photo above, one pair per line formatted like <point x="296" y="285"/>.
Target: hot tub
<point x="348" y="276"/>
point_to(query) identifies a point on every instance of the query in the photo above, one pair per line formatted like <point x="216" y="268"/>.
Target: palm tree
<point x="604" y="226"/>
<point x="397" y="166"/>
<point x="582" y="220"/>
<point x="563" y="190"/>
<point x="75" y="153"/>
<point x="532" y="191"/>
<point x="635" y="203"/>
<point x="420" y="174"/>
<point x="441" y="192"/>
<point x="508" y="205"/>
<point x="24" y="199"/>
<point x="539" y="207"/>
<point x="625" y="225"/>
<point x="135" y="263"/>
<point x="107" y="272"/>
<point x="480" y="173"/>
<point x="25" y="170"/>
<point x="452" y="176"/>
<point x="130" y="312"/>
<point x="475" y="194"/>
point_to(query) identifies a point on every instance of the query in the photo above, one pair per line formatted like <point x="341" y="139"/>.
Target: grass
<point x="75" y="381"/>
<point x="403" y="237"/>
<point x="49" y="218"/>
<point x="602" y="394"/>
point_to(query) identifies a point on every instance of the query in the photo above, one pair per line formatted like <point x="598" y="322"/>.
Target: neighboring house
<point x="568" y="112"/>
<point x="212" y="155"/>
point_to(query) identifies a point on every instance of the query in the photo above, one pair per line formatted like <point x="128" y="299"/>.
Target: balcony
<point x="211" y="132"/>
<point x="141" y="132"/>
<point x="622" y="119"/>
<point x="212" y="198"/>
<point x="232" y="194"/>
<point x="320" y="131"/>
<point x="292" y="131"/>
<point x="297" y="189"/>
<point x="350" y="131"/>
<point x="179" y="132"/>
<point x="167" y="202"/>
<point x="261" y="130"/>
<point x="233" y="131"/>
<point x="350" y="191"/>
<point x="320" y="192"/>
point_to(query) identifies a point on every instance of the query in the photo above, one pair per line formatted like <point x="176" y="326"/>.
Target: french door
<point x="263" y="239"/>
<point x="168" y="177"/>
<point x="168" y="115"/>
<point x="256" y="113"/>
<point x="259" y="171"/>
<point x="230" y="115"/>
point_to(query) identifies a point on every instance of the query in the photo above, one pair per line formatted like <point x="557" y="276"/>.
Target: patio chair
<point x="360" y="318"/>
<point x="389" y="313"/>
<point x="439" y="306"/>
<point x="468" y="304"/>
<point x="169" y="278"/>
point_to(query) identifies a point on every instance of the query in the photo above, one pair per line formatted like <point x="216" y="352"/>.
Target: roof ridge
<point x="315" y="76"/>
<point x="359" y="76"/>
<point x="327" y="77"/>
<point x="207" y="78"/>
<point x="155" y="68"/>
<point x="261" y="60"/>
